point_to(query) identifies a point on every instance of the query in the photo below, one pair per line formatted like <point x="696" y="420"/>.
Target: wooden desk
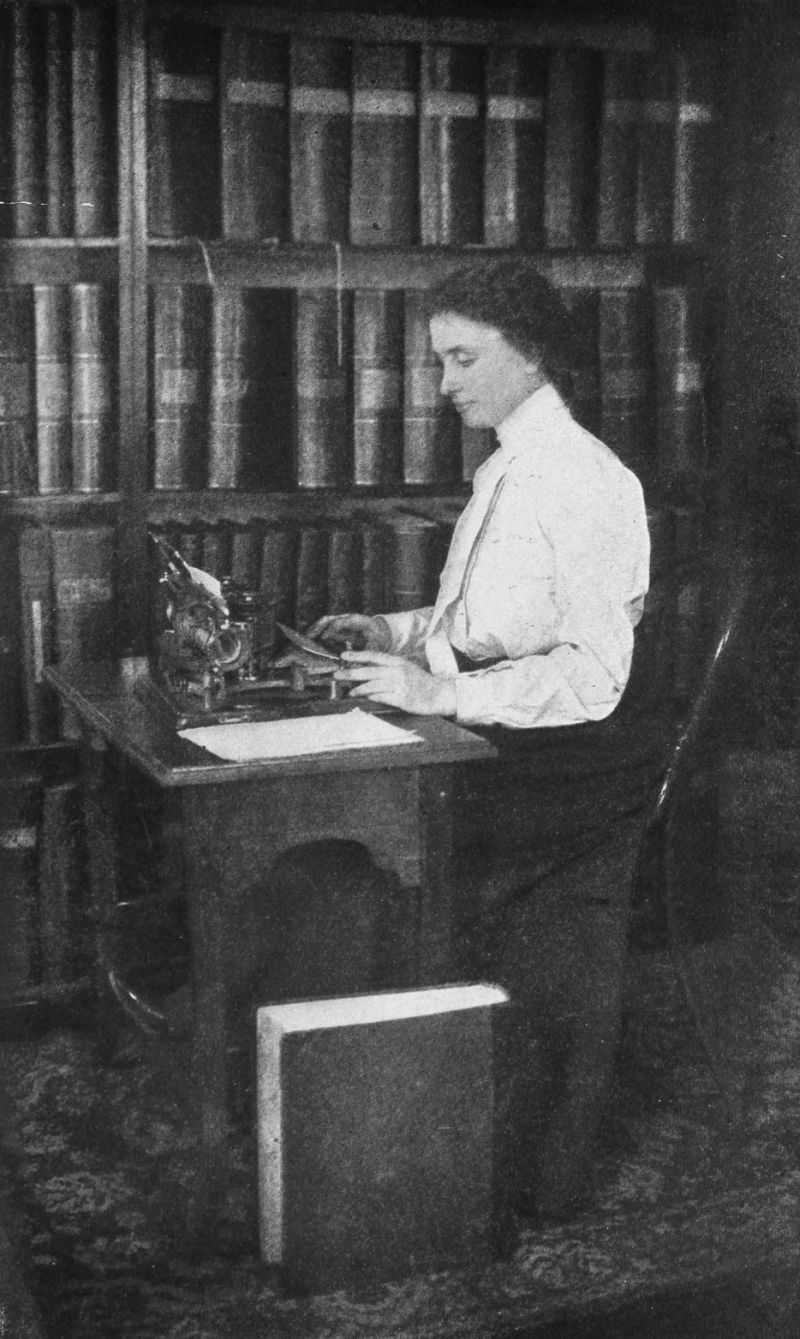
<point x="236" y="817"/>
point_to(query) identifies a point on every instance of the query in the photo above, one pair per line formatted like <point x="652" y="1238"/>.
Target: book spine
<point x="254" y="140"/>
<point x="373" y="567"/>
<point x="183" y="192"/>
<point x="227" y="389"/>
<point x="12" y="713"/>
<point x="279" y="554"/>
<point x="323" y="344"/>
<point x="28" y="129"/>
<point x="59" y="881"/>
<point x="514" y="148"/>
<point x="20" y="804"/>
<point x="83" y="587"/>
<point x="246" y="555"/>
<point x="18" y="472"/>
<point x="217" y="550"/>
<point x="377" y="388"/>
<point x="93" y="385"/>
<point x="571" y="147"/>
<point x="584" y="307"/>
<point x="431" y="431"/>
<point x="37" y="629"/>
<point x="696" y="188"/>
<point x="311" y="581"/>
<point x="451" y="145"/>
<point x="58" y="161"/>
<point x="680" y="406"/>
<point x="179" y="315"/>
<point x="93" y="121"/>
<point x="384" y="166"/>
<point x="412" y="561"/>
<point x="51" y="305"/>
<point x="344" y="569"/>
<point x="656" y="174"/>
<point x="619" y="150"/>
<point x="626" y="379"/>
<point x="319" y="130"/>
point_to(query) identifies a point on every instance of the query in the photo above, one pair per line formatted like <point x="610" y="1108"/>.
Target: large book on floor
<point x="319" y="139"/>
<point x="18" y="468"/>
<point x="431" y="429"/>
<point x="93" y="369"/>
<point x="27" y="126"/>
<point x="572" y="120"/>
<point x="322" y="351"/>
<point x="383" y="188"/>
<point x="255" y="167"/>
<point x="451" y="145"/>
<point x="183" y="197"/>
<point x="52" y="325"/>
<point x="94" y="120"/>
<point x="83" y="594"/>
<point x="619" y="149"/>
<point x="377" y="1135"/>
<point x="626" y="380"/>
<point x="656" y="171"/>
<point x="378" y="322"/>
<point x="179" y="342"/>
<point x="516" y="83"/>
<point x="58" y="123"/>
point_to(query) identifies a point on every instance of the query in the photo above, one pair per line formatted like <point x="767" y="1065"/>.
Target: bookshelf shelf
<point x="32" y="260"/>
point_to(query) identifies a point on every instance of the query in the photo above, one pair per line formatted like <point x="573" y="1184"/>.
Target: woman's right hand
<point x="356" y="632"/>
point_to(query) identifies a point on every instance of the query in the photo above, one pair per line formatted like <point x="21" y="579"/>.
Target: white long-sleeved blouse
<point x="546" y="574"/>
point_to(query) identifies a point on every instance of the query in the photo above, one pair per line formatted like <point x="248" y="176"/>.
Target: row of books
<point x="58" y="145"/>
<point x="58" y="387"/>
<point x="266" y="390"/>
<point x="255" y="134"/>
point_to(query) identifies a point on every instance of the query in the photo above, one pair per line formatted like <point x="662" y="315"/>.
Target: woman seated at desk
<point x="531" y="641"/>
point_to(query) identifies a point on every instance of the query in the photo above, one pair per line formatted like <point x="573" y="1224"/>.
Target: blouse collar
<point x="537" y="414"/>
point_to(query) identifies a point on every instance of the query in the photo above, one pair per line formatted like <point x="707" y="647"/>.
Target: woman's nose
<point x="448" y="383"/>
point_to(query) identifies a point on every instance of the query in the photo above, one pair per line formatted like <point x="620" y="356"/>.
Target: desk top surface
<point x="107" y="697"/>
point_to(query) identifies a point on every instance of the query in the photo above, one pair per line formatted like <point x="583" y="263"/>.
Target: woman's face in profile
<point x="484" y="375"/>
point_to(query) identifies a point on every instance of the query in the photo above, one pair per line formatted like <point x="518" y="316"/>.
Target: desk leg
<point x="99" y="798"/>
<point x="205" y="888"/>
<point x="438" y="896"/>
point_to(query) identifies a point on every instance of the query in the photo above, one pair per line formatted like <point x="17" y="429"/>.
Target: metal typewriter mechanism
<point x="210" y="664"/>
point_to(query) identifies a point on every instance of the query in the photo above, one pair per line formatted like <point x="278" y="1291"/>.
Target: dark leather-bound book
<point x="246" y="541"/>
<point x="255" y="159"/>
<point x="681" y="444"/>
<point x="58" y="122"/>
<point x="344" y="567"/>
<point x="277" y="580"/>
<point x="412" y="560"/>
<point x="451" y="145"/>
<point x="378" y="320"/>
<point x="183" y="183"/>
<point x="18" y="469"/>
<point x="20" y="813"/>
<point x="516" y="86"/>
<point x="626" y="380"/>
<point x="94" y="380"/>
<point x="656" y="176"/>
<point x="94" y="144"/>
<point x="217" y="549"/>
<point x="431" y="432"/>
<point x="180" y="337"/>
<point x="85" y="608"/>
<point x="584" y="307"/>
<point x="572" y="122"/>
<point x="27" y="199"/>
<point x="384" y="206"/>
<point x="323" y="361"/>
<point x="311" y="577"/>
<point x="37" y="632"/>
<point x="697" y="154"/>
<point x="376" y="1135"/>
<point x="374" y="562"/>
<point x="619" y="149"/>
<point x="52" y="325"/>
<point x="319" y="138"/>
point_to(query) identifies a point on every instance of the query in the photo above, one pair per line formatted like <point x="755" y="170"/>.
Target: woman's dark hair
<point x="515" y="298"/>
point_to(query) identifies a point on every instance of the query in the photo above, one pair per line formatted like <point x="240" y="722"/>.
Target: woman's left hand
<point x="397" y="682"/>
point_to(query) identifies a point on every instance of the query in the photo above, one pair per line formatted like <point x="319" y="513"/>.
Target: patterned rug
<point x="695" y="1186"/>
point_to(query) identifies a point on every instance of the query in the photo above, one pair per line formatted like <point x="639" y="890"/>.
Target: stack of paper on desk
<point x="298" y="736"/>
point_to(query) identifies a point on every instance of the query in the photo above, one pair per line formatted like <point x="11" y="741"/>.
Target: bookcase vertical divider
<point x="132" y="566"/>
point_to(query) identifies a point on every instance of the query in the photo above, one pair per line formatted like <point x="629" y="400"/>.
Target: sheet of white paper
<point x="298" y="736"/>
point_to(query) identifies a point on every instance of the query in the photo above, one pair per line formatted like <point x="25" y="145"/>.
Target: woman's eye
<point x="464" y="359"/>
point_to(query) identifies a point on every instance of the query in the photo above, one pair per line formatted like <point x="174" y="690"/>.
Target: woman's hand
<point x="397" y="682"/>
<point x="356" y="630"/>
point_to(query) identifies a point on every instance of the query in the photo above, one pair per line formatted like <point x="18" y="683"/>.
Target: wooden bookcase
<point x="136" y="264"/>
